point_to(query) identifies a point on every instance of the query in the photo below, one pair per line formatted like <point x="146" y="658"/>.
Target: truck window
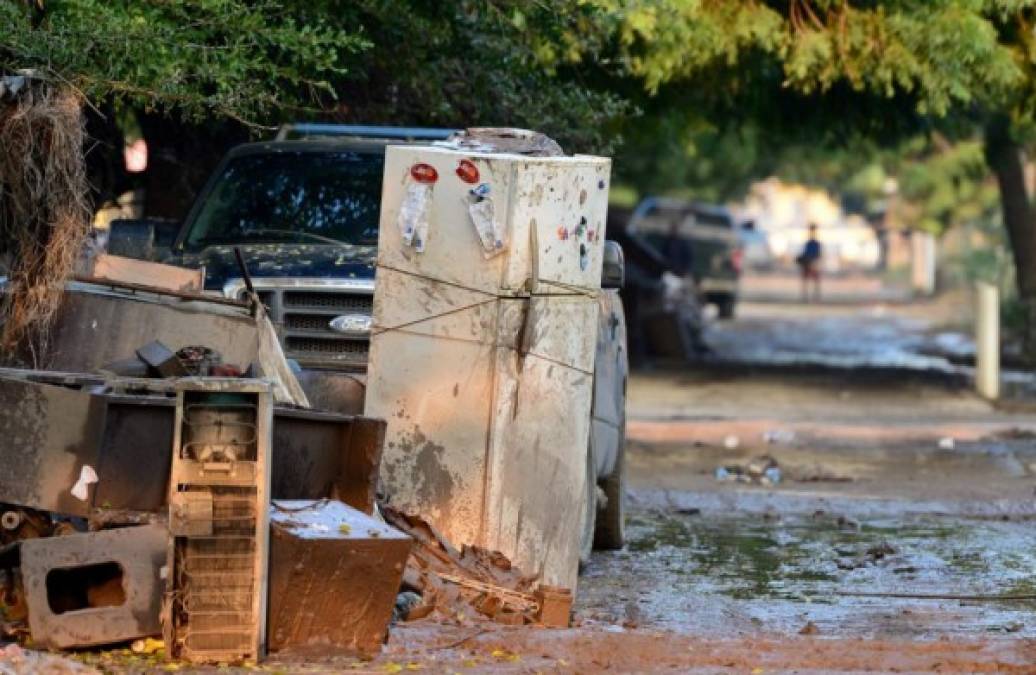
<point x="292" y="197"/>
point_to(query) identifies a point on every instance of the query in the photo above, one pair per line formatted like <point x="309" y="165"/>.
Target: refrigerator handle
<point x="534" y="259"/>
<point x="525" y="333"/>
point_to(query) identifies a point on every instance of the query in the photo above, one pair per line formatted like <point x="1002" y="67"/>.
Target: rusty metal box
<point x="94" y="588"/>
<point x="334" y="576"/>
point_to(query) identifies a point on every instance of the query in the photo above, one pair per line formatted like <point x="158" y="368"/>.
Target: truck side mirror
<point x="613" y="271"/>
<point x="143" y="239"/>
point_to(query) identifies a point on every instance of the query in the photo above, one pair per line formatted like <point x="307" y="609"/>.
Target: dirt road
<point x="899" y="536"/>
<point x="894" y="532"/>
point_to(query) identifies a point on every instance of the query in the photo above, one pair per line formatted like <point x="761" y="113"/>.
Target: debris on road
<point x="778" y="436"/>
<point x="452" y="582"/>
<point x="816" y="473"/>
<point x="762" y="470"/>
<point x="873" y="555"/>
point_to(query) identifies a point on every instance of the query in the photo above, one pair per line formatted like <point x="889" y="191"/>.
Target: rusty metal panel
<point x="98" y="324"/>
<point x="362" y="448"/>
<point x="133" y="469"/>
<point x="312" y="542"/>
<point x="94" y="588"/>
<point x="50" y="434"/>
<point x="53" y="431"/>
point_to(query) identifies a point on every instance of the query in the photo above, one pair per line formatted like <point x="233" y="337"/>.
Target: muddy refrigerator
<point x="482" y="349"/>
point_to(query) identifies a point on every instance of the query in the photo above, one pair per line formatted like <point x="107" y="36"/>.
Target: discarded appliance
<point x="334" y="576"/>
<point x="57" y="424"/>
<point x="94" y="588"/>
<point x="219" y="496"/>
<point x="482" y="350"/>
<point x="100" y="323"/>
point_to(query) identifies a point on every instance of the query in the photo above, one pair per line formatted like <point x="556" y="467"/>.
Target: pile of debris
<point x="446" y="581"/>
<point x="136" y="497"/>
<point x="166" y="480"/>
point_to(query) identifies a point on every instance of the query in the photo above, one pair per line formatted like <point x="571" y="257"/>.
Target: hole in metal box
<point x="70" y="589"/>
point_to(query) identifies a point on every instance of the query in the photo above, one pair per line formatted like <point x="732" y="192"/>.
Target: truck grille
<point x="303" y="318"/>
<point x="347" y="302"/>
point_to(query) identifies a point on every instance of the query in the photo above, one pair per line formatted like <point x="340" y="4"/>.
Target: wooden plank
<point x="146" y="273"/>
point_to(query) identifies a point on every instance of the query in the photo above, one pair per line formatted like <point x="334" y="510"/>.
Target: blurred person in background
<point x="809" y="265"/>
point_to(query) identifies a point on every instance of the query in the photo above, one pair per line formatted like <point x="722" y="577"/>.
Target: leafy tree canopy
<point x="242" y="59"/>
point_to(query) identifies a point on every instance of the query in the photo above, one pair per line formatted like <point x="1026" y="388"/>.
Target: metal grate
<point x="352" y="302"/>
<point x="216" y="599"/>
<point x="325" y="346"/>
<point x="308" y="322"/>
<point x="304" y="319"/>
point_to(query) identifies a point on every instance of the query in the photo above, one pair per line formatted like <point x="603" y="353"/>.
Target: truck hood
<point x="306" y="261"/>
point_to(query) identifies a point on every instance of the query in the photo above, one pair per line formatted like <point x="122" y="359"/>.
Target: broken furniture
<point x="94" y="588"/>
<point x="219" y="497"/>
<point x="334" y="576"/>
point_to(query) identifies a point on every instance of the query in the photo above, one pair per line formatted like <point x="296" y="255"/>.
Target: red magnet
<point x="467" y="171"/>
<point x="424" y="173"/>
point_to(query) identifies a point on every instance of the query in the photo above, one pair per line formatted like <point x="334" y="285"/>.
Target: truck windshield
<point x="293" y="197"/>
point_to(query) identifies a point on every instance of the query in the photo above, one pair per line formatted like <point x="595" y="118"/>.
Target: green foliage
<point x="940" y="53"/>
<point x="482" y="63"/>
<point x="244" y="59"/>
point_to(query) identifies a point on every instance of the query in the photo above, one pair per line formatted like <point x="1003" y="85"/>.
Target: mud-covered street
<point x="895" y="534"/>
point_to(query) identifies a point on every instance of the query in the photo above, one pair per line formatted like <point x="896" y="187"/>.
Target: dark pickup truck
<point x="700" y="241"/>
<point x="304" y="210"/>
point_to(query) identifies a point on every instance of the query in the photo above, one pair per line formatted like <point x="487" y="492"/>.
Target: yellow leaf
<point x="393" y="667"/>
<point x="147" y="646"/>
<point x="344" y="528"/>
<point x="505" y="655"/>
<point x="413" y="666"/>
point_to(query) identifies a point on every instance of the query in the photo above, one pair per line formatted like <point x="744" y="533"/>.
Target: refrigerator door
<point x="452" y="250"/>
<point x="546" y="213"/>
<point x="558" y="212"/>
<point x="488" y="411"/>
<point x="431" y="375"/>
<point x="537" y="471"/>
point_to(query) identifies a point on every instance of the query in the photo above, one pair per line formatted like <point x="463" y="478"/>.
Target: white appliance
<point x="482" y="349"/>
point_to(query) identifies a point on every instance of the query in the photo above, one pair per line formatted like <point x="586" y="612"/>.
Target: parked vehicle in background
<point x="304" y="211"/>
<point x="699" y="238"/>
<point x="662" y="304"/>
<point x="755" y="245"/>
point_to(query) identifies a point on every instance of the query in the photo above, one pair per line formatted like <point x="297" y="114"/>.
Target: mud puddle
<point x="734" y="574"/>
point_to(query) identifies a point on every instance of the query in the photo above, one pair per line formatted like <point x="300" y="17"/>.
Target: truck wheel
<point x="725" y="304"/>
<point x="611" y="524"/>
<point x="586" y="538"/>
